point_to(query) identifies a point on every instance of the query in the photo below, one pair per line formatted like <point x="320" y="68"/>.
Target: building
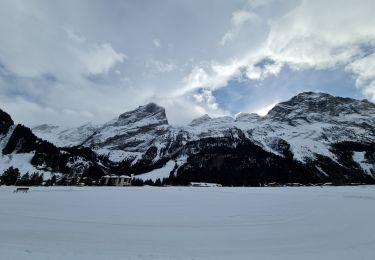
<point x="115" y="180"/>
<point x="204" y="184"/>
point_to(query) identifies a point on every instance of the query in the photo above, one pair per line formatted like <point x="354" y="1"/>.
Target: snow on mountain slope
<point x="22" y="162"/>
<point x="4" y="138"/>
<point x="64" y="137"/>
<point x="132" y="134"/>
<point x="359" y="157"/>
<point x="305" y="127"/>
<point x="206" y="126"/>
<point x="20" y="148"/>
<point x="158" y="173"/>
<point x="311" y="122"/>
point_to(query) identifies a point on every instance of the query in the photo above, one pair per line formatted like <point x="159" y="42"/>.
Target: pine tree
<point x="24" y="180"/>
<point x="137" y="182"/>
<point x="53" y="180"/>
<point x="10" y="176"/>
<point x="158" y="182"/>
<point x="36" y="179"/>
<point x="40" y="179"/>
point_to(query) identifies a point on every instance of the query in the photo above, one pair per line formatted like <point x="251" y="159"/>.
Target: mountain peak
<point x="5" y="122"/>
<point x="5" y="117"/>
<point x="247" y="117"/>
<point x="152" y="107"/>
<point x="142" y="112"/>
<point x="319" y="105"/>
<point x="200" y="120"/>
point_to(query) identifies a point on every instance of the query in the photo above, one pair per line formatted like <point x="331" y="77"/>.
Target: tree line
<point x="12" y="176"/>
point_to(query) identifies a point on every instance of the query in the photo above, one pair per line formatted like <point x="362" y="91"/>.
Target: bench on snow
<point x="24" y="190"/>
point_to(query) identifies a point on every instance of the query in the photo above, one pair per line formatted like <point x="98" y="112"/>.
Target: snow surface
<point x="22" y="162"/>
<point x="188" y="223"/>
<point x="158" y="173"/>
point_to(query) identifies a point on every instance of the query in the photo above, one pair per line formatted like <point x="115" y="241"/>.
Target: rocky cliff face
<point x="313" y="137"/>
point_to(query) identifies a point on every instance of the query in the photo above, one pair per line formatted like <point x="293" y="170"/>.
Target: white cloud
<point x="211" y="75"/>
<point x="84" y="59"/>
<point x="100" y="58"/>
<point x="253" y="4"/>
<point x="314" y="35"/>
<point x="183" y="108"/>
<point x="317" y="35"/>
<point x="156" y="42"/>
<point x="198" y="77"/>
<point x="364" y="69"/>
<point x="239" y="19"/>
<point x="75" y="37"/>
<point x="27" y="112"/>
<point x="160" y="66"/>
<point x="206" y="98"/>
<point x="260" y="73"/>
<point x="35" y="42"/>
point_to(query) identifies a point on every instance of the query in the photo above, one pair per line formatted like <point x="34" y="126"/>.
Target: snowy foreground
<point x="188" y="223"/>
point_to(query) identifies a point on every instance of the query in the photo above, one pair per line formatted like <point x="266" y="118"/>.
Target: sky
<point x="76" y="61"/>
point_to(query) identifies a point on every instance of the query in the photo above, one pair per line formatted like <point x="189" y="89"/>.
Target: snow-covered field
<point x="188" y="223"/>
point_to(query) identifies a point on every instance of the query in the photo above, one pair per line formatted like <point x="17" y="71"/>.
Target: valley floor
<point x="188" y="223"/>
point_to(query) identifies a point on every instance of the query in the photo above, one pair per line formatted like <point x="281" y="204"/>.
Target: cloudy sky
<point x="73" y="61"/>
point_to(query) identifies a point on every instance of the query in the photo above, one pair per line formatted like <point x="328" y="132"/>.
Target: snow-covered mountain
<point x="132" y="134"/>
<point x="313" y="137"/>
<point x="64" y="137"/>
<point x="21" y="149"/>
<point x="312" y="122"/>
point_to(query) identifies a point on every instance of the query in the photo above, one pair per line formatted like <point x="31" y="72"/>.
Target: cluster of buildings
<point x="116" y="180"/>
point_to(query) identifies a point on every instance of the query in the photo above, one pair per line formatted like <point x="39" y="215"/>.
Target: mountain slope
<point x="64" y="137"/>
<point x="20" y="148"/>
<point x="313" y="137"/>
<point x="328" y="139"/>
